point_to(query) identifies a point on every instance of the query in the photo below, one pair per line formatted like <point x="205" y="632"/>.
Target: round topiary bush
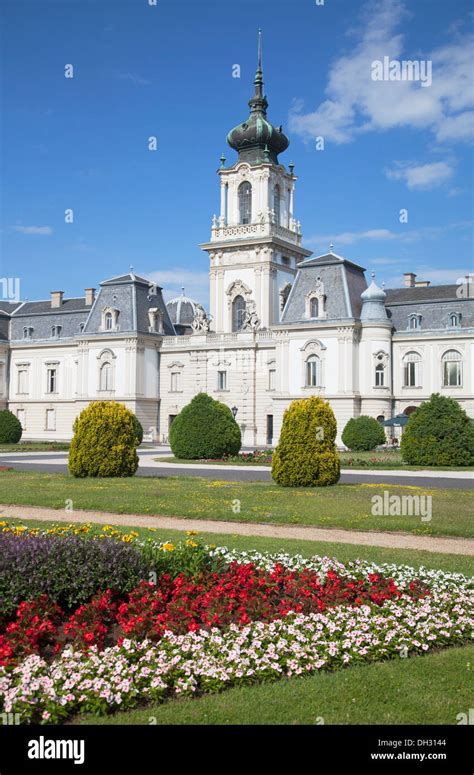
<point x="205" y="428"/>
<point x="439" y="433"/>
<point x="363" y="434"/>
<point x="104" y="442"/>
<point x="138" y="429"/>
<point x="306" y="453"/>
<point x="10" y="428"/>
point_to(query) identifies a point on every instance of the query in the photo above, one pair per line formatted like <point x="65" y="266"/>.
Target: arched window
<point x="452" y="369"/>
<point x="313" y="371"/>
<point x="314" y="308"/>
<point x="106" y="376"/>
<point x="412" y="370"/>
<point x="245" y="202"/>
<point x="276" y="203"/>
<point x="380" y="375"/>
<point x="238" y="313"/>
<point x="108" y="321"/>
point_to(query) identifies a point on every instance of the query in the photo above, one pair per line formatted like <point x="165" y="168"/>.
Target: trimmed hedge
<point x="104" y="442"/>
<point x="306" y="454"/>
<point x="10" y="428"/>
<point x="438" y="433"/>
<point x="205" y="428"/>
<point x="363" y="434"/>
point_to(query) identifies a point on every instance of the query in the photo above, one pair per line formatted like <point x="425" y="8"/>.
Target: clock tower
<point x="255" y="242"/>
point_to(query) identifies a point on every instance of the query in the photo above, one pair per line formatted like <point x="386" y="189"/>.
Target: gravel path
<point x="442" y="545"/>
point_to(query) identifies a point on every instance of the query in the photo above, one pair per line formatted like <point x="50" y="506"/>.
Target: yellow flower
<point x="3" y="523"/>
<point x="191" y="543"/>
<point x="168" y="547"/>
<point x="192" y="533"/>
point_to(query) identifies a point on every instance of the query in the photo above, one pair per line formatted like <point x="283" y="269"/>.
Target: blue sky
<point x="166" y="70"/>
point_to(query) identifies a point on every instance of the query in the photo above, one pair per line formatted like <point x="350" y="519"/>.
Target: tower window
<point x="245" y="202"/>
<point x="238" y="313"/>
<point x="380" y="375"/>
<point x="276" y="203"/>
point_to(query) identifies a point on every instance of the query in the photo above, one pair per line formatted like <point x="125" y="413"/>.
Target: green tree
<point x="438" y="433"/>
<point x="104" y="442"/>
<point x="363" y="433"/>
<point x="306" y="454"/>
<point x="205" y="428"/>
<point x="10" y="427"/>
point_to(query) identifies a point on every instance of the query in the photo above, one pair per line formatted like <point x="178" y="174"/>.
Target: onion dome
<point x="256" y="140"/>
<point x="182" y="310"/>
<point x="373" y="302"/>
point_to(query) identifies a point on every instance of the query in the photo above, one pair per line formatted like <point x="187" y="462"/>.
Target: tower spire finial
<point x="259" y="63"/>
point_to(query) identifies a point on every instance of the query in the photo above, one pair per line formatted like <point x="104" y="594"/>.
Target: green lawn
<point x="343" y="552"/>
<point x="430" y="689"/>
<point x="345" y="505"/>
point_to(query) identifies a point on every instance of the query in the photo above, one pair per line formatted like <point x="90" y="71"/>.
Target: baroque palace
<point x="282" y="325"/>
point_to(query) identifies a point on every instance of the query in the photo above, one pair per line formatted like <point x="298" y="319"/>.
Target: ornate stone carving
<point x="201" y="322"/>
<point x="251" y="320"/>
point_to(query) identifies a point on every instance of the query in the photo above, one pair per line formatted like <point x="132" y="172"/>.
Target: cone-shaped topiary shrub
<point x="104" y="442"/>
<point x="10" y="428"/>
<point x="439" y="433"/>
<point x="363" y="433"/>
<point x="306" y="454"/>
<point x="205" y="428"/>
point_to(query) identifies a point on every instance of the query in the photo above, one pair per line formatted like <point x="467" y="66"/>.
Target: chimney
<point x="422" y="283"/>
<point x="89" y="296"/>
<point x="57" y="298"/>
<point x="409" y="279"/>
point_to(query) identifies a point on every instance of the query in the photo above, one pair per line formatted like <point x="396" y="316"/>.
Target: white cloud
<point x="43" y="230"/>
<point x="384" y="235"/>
<point x="422" y="177"/>
<point x="357" y="104"/>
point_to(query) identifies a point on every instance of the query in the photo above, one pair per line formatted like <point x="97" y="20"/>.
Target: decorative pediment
<point x="381" y="358"/>
<point x="238" y="288"/>
<point x="176" y="365"/>
<point x="313" y="346"/>
<point x="315" y="301"/>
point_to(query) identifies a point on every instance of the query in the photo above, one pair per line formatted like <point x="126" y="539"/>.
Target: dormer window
<point x="28" y="332"/>
<point x="414" y="322"/>
<point x="454" y="320"/>
<point x="316" y="302"/>
<point x="82" y="327"/>
<point x="314" y="308"/>
<point x="56" y="331"/>
<point x="110" y="319"/>
<point x="155" y="318"/>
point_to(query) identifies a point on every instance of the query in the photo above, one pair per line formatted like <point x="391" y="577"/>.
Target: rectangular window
<point x="271" y="379"/>
<point x="175" y="382"/>
<point x="222" y="380"/>
<point x="269" y="428"/>
<point x="22" y="386"/>
<point x="51" y="381"/>
<point x="171" y="419"/>
<point x="21" y="417"/>
<point x="411" y="374"/>
<point x="2" y="376"/>
<point x="50" y="420"/>
<point x="452" y="374"/>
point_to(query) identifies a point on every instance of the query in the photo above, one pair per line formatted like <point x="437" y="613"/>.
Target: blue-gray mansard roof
<point x="131" y="295"/>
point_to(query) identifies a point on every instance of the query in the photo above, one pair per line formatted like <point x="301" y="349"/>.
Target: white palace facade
<point x="282" y="325"/>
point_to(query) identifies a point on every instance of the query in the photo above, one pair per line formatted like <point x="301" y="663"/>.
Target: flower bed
<point x="210" y="618"/>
